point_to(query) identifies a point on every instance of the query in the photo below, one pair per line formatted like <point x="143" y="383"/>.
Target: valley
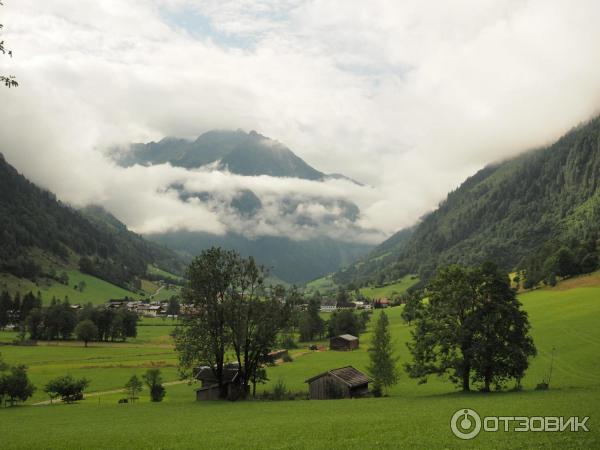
<point x="563" y="326"/>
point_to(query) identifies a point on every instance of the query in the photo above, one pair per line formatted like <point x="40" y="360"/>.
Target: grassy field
<point x="96" y="290"/>
<point x="324" y="285"/>
<point x="390" y="290"/>
<point x="414" y="416"/>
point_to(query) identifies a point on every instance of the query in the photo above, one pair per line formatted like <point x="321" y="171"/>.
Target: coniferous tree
<point x="383" y="367"/>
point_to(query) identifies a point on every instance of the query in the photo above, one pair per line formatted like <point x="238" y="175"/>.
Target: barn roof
<point x="348" y="375"/>
<point x="348" y="337"/>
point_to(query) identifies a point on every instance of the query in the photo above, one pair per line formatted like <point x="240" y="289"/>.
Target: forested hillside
<point x="289" y="260"/>
<point x="33" y="220"/>
<point x="538" y="213"/>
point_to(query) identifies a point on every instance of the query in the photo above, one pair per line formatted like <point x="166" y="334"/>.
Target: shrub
<point x="287" y="358"/>
<point x="288" y="341"/>
<point x="154" y="381"/>
<point x="279" y="390"/>
<point x="67" y="388"/>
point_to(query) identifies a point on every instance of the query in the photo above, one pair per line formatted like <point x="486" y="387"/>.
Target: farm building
<point x="210" y="388"/>
<point x="345" y="382"/>
<point x="276" y="355"/>
<point x="343" y="342"/>
<point x="328" y="305"/>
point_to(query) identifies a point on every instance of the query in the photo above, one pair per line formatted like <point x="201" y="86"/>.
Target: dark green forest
<point x="538" y="214"/>
<point x="32" y="218"/>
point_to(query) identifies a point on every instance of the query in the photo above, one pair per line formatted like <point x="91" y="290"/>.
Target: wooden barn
<point x="276" y="355"/>
<point x="210" y="388"/>
<point x="343" y="342"/>
<point x="345" y="382"/>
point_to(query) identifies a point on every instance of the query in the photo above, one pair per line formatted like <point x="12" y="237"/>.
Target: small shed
<point x="276" y="355"/>
<point x="345" y="382"/>
<point x="343" y="342"/>
<point x="210" y="387"/>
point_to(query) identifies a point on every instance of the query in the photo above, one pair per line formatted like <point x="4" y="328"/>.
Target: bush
<point x="67" y="388"/>
<point x="154" y="381"/>
<point x="288" y="341"/>
<point x="279" y="390"/>
<point x="287" y="358"/>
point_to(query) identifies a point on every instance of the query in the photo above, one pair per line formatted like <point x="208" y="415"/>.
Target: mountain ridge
<point x="518" y="213"/>
<point x="238" y="152"/>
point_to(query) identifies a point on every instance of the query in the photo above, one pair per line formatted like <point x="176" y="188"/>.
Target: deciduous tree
<point x="134" y="386"/>
<point x="86" y="331"/>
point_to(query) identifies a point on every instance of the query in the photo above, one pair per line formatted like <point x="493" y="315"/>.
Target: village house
<point x="328" y="305"/>
<point x="343" y="342"/>
<point x="345" y="382"/>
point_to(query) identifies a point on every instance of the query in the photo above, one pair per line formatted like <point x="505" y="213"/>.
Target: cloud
<point x="409" y="97"/>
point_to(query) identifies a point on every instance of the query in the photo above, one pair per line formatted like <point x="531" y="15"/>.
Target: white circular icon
<point x="465" y="423"/>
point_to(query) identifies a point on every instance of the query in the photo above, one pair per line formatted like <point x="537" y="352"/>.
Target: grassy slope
<point x="323" y="285"/>
<point x="96" y="291"/>
<point x="413" y="416"/>
<point x="390" y="290"/>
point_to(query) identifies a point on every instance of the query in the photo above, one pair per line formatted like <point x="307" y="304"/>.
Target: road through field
<point x="114" y="391"/>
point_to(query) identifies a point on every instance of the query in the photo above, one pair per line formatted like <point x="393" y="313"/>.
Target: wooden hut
<point x="210" y="387"/>
<point x="343" y="342"/>
<point x="345" y="382"/>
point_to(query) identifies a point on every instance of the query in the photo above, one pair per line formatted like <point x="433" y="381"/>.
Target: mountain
<point x="34" y="223"/>
<point x="239" y="152"/>
<point x="530" y="213"/>
<point x="252" y="154"/>
<point x="289" y="260"/>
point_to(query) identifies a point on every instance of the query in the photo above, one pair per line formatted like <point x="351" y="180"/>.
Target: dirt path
<point x="114" y="391"/>
<point x="157" y="291"/>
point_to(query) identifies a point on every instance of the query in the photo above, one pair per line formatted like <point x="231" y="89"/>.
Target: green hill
<point x="518" y="213"/>
<point x="40" y="236"/>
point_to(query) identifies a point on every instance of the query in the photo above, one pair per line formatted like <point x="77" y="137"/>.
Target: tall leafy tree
<point x="253" y="320"/>
<point x="5" y="309"/>
<point x="86" y="331"/>
<point x="472" y="327"/>
<point x="203" y="336"/>
<point x="412" y="306"/>
<point x="229" y="311"/>
<point x="311" y="325"/>
<point x="501" y="342"/>
<point x="344" y="322"/>
<point x="15" y="385"/>
<point x="8" y="81"/>
<point x="383" y="366"/>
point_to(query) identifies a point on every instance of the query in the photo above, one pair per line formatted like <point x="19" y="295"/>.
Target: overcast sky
<point x="409" y="97"/>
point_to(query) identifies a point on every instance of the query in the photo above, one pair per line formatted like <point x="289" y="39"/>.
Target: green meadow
<point x="96" y="291"/>
<point x="390" y="290"/>
<point x="564" y="325"/>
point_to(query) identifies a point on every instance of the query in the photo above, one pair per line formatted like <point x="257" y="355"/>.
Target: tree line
<point x="59" y="321"/>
